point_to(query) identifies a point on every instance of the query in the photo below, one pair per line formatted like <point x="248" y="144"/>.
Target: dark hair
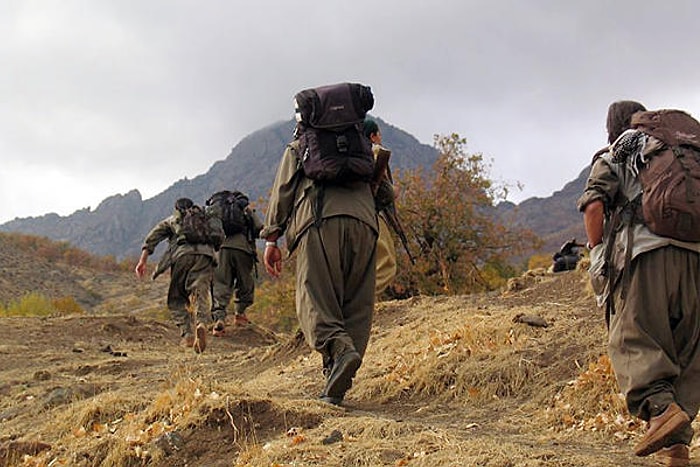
<point x="183" y="203"/>
<point x="370" y="127"/>
<point x="619" y="116"/>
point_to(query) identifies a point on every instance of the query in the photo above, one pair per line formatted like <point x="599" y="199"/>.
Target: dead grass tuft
<point x="592" y="402"/>
<point x="478" y="361"/>
<point x="355" y="441"/>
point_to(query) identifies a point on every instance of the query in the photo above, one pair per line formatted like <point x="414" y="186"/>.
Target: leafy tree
<point x="451" y="223"/>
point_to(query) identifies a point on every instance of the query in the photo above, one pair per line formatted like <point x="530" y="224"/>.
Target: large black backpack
<point x="232" y="206"/>
<point x="332" y="144"/>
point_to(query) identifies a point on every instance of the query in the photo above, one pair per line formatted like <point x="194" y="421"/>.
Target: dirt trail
<point x="446" y="381"/>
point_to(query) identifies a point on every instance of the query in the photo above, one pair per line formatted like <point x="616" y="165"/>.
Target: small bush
<point x="67" y="306"/>
<point x="539" y="261"/>
<point x="32" y="304"/>
<point x="274" y="305"/>
<point x="36" y="304"/>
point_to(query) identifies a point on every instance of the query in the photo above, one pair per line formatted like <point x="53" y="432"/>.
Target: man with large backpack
<point x="234" y="275"/>
<point x="643" y="231"/>
<point x="322" y="203"/>
<point x="193" y="234"/>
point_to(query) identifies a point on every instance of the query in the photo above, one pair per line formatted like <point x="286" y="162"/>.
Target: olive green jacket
<point x="245" y="241"/>
<point x="167" y="230"/>
<point x="293" y="202"/>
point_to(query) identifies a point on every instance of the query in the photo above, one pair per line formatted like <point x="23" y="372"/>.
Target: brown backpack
<point x="671" y="181"/>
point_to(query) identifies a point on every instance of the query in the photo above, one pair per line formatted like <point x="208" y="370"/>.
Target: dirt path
<point x="119" y="390"/>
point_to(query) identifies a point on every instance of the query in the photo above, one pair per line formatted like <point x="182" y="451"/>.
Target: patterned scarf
<point x="629" y="148"/>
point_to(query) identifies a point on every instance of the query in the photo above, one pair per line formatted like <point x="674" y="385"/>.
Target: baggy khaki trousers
<point x="654" y="335"/>
<point x="335" y="281"/>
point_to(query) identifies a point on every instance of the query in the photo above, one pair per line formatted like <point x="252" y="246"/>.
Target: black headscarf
<point x="183" y="204"/>
<point x="619" y="116"/>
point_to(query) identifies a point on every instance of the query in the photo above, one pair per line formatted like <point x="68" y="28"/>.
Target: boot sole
<point x="658" y="440"/>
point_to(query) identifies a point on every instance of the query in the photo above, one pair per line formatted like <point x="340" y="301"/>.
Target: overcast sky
<point x="100" y="97"/>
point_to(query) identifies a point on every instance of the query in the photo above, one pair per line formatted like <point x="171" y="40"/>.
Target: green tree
<point x="449" y="215"/>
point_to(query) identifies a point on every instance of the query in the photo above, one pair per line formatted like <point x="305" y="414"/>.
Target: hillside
<point x="118" y="225"/>
<point x="32" y="270"/>
<point x="446" y="381"/>
<point x="554" y="219"/>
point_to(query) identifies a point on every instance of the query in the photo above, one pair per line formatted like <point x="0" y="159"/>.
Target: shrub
<point x="36" y="304"/>
<point x="539" y="261"/>
<point x="32" y="304"/>
<point x="449" y="217"/>
<point x="67" y="306"/>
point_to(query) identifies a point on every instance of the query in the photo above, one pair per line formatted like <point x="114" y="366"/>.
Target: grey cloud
<point x="150" y="92"/>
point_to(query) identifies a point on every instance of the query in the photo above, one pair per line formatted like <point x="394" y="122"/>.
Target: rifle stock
<point x="381" y="167"/>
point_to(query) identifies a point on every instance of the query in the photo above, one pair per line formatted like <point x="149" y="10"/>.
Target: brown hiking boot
<point x="200" y="338"/>
<point x="677" y="455"/>
<point x="661" y="428"/>
<point x="219" y="328"/>
<point x="241" y="320"/>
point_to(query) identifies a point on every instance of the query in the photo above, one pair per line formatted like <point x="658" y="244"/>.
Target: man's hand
<point x="593" y="217"/>
<point x="273" y="260"/>
<point x="140" y="269"/>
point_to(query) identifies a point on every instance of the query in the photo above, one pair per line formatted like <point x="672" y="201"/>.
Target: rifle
<point x="392" y="219"/>
<point x="383" y="192"/>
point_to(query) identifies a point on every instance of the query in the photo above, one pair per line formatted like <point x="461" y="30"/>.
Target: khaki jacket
<point x="292" y="206"/>
<point x="613" y="183"/>
<point x="166" y="230"/>
<point x="245" y="241"/>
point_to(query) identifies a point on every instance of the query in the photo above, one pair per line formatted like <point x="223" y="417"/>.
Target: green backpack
<point x="197" y="225"/>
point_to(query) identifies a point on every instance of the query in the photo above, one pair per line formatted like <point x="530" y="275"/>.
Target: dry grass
<point x="453" y="360"/>
<point x="446" y="381"/>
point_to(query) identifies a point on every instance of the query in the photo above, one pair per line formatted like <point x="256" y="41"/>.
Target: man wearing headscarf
<point x="650" y="287"/>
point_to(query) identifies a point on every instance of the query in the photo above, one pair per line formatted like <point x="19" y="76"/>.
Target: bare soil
<point x="514" y="378"/>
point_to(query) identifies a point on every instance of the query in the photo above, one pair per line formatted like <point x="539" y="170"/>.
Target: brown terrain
<point x="516" y="377"/>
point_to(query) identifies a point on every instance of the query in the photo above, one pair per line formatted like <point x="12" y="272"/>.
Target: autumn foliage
<point x="448" y="215"/>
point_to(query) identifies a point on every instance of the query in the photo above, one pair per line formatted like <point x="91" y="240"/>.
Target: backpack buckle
<point x="341" y="141"/>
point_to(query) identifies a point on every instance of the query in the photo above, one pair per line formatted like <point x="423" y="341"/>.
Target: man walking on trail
<point x="234" y="275"/>
<point x="190" y="258"/>
<point x="332" y="228"/>
<point x="650" y="286"/>
<point x="383" y="189"/>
